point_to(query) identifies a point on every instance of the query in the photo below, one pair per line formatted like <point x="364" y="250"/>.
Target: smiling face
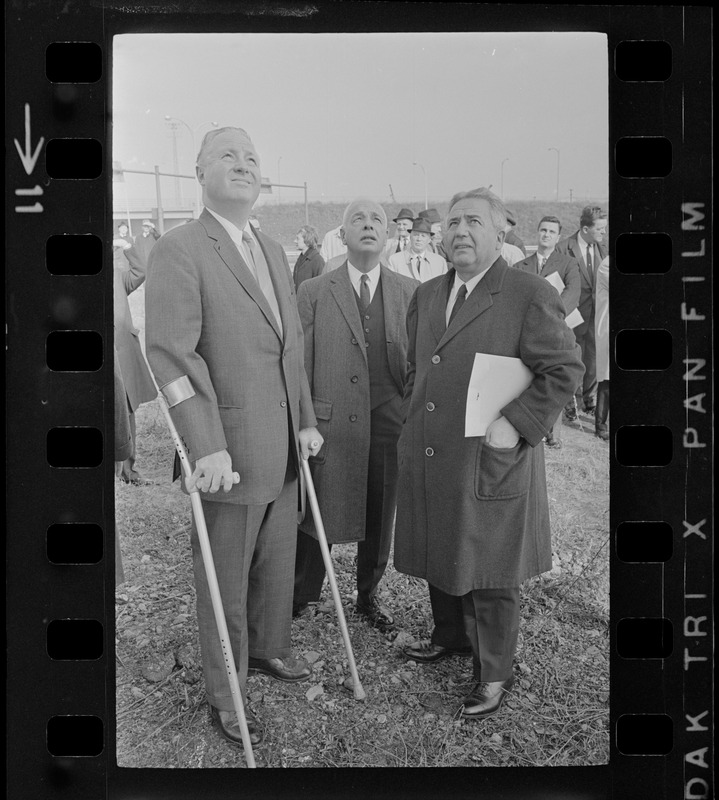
<point x="472" y="240"/>
<point x="229" y="171"/>
<point x="364" y="231"/>
<point x="403" y="227"/>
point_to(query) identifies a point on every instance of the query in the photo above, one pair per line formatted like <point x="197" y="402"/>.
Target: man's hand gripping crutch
<point x="359" y="692"/>
<point x="211" y="576"/>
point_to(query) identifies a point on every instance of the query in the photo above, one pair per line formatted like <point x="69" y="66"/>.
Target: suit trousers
<point x="129" y="472"/>
<point x="485" y="619"/>
<point x="586" y="393"/>
<point x="253" y="548"/>
<point x="373" y="552"/>
<point x="601" y="412"/>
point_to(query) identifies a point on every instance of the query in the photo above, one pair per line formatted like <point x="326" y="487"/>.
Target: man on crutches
<point x="225" y="344"/>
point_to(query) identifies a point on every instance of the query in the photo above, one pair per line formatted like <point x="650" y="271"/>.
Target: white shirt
<point x="332" y="245"/>
<point x="583" y="246"/>
<point x="511" y="254"/>
<point x="236" y="235"/>
<point x="470" y="284"/>
<point x="356" y="277"/>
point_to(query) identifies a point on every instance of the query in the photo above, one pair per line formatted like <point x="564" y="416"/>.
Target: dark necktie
<point x="419" y="261"/>
<point x="458" y="303"/>
<point x="590" y="266"/>
<point x="364" y="292"/>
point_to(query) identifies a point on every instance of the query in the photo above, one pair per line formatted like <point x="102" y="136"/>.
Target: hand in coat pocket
<point x="501" y="434"/>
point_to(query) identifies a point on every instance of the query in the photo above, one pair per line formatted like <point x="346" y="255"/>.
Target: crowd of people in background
<point x="359" y="361"/>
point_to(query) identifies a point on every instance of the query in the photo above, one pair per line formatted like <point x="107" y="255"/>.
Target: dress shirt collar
<point x="234" y="232"/>
<point x="470" y="284"/>
<point x="356" y="276"/>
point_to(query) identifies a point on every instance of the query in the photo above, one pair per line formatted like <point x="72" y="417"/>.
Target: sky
<point x="351" y="113"/>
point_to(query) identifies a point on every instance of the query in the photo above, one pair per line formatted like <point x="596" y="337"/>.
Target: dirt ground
<point x="557" y="713"/>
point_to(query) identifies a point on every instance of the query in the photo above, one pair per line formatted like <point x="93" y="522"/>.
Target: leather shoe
<point x="229" y="725"/>
<point x="555" y="444"/>
<point x="377" y="615"/>
<point x="290" y="669"/>
<point x="425" y="652"/>
<point x="486" y="698"/>
<point x="570" y="415"/>
<point x="603" y="435"/>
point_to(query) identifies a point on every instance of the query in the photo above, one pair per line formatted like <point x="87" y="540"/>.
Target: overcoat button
<point x="283" y="403"/>
<point x="436" y="359"/>
<point x="354" y="379"/>
<point x="354" y="341"/>
<point x="353" y="417"/>
<point x="366" y="330"/>
<point x="430" y="406"/>
<point x="429" y="451"/>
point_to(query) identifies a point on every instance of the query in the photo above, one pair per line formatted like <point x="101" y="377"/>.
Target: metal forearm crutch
<point x="359" y="692"/>
<point x="211" y="579"/>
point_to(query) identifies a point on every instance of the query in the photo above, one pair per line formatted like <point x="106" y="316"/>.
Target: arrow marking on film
<point x="28" y="158"/>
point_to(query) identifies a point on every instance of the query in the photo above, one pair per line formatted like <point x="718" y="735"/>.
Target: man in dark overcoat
<point x="472" y="513"/>
<point x="354" y="321"/>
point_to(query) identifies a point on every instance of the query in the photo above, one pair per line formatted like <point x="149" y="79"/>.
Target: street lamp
<point x="557" y="152"/>
<point x="501" y="178"/>
<point x="198" y="193"/>
<point x="424" y="172"/>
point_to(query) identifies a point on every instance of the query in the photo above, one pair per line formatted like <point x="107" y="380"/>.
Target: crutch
<point x="212" y="582"/>
<point x="359" y="692"/>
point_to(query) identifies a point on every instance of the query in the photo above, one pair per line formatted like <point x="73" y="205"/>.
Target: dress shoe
<point x="555" y="444"/>
<point x="229" y="725"/>
<point x="290" y="669"/>
<point x="486" y="698"/>
<point x="603" y="435"/>
<point x="570" y="414"/>
<point x="589" y="410"/>
<point x="377" y="615"/>
<point x="137" y="480"/>
<point x="424" y="652"/>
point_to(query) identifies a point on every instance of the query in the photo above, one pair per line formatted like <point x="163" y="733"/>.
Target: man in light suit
<point x="356" y="363"/>
<point x="588" y="248"/>
<point x="418" y="261"/>
<point x="546" y="262"/>
<point x="473" y="512"/>
<point x="225" y="343"/>
<point x="400" y="241"/>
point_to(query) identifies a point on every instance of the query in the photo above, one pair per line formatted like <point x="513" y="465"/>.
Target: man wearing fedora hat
<point x="400" y="240"/>
<point x="435" y="243"/>
<point x="418" y="261"/>
<point x="146" y="241"/>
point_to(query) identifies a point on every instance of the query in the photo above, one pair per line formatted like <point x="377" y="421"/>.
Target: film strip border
<point x="60" y="487"/>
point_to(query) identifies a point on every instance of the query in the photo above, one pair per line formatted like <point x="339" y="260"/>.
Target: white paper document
<point x="574" y="318"/>
<point x="495" y="381"/>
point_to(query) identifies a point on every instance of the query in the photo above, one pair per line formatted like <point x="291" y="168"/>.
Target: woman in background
<point x="310" y="263"/>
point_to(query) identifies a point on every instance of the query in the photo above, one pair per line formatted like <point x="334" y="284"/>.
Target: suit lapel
<point x="393" y="322"/>
<point x="230" y="255"/>
<point x="438" y="306"/>
<point x="577" y="253"/>
<point x="281" y="284"/>
<point x="344" y="295"/>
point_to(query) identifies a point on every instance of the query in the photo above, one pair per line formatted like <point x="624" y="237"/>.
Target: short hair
<point x="362" y="200"/>
<point x="310" y="234"/>
<point x="555" y="220"/>
<point x="211" y="134"/>
<point x="496" y="206"/>
<point x="590" y="214"/>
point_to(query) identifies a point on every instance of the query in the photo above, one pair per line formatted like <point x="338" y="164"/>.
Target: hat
<point x="510" y="216"/>
<point x="146" y="223"/>
<point x="404" y="213"/>
<point x="431" y="214"/>
<point x="421" y="225"/>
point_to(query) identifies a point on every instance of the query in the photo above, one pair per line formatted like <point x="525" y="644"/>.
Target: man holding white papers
<point x="473" y="513"/>
<point x="563" y="272"/>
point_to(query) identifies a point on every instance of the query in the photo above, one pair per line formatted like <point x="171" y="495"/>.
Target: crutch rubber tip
<point x="358" y="691"/>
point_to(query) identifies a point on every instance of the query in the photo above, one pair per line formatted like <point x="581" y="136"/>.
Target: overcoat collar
<point x="230" y="255"/>
<point x="576" y="252"/>
<point x="477" y="303"/>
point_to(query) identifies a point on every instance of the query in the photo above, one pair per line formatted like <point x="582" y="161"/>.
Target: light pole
<point x="501" y="178"/>
<point x="171" y="120"/>
<point x="279" y="181"/>
<point x="424" y="172"/>
<point x="556" y="150"/>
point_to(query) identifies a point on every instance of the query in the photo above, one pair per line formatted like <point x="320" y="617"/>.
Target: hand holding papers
<point x="495" y="381"/>
<point x="574" y="318"/>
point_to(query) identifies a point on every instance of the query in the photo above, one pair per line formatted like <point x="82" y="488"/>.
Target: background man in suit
<point x="356" y="362"/>
<point x="129" y="272"/>
<point x="400" y="240"/>
<point x="225" y="343"/>
<point x="472" y="512"/>
<point x="588" y="248"/>
<point x="435" y="243"/>
<point x="146" y="240"/>
<point x="418" y="261"/>
<point x="545" y="262"/>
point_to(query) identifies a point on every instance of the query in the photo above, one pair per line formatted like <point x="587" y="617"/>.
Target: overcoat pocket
<point x="501" y="474"/>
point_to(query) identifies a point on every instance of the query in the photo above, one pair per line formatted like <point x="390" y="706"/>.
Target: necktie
<point x="540" y="263"/>
<point x="419" y="261"/>
<point x="364" y="292"/>
<point x="458" y="303"/>
<point x="590" y="267"/>
<point x="262" y="275"/>
<point x="402" y="243"/>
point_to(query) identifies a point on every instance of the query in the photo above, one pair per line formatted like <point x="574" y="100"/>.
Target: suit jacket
<point x="128" y="275"/>
<point x="470" y="516"/>
<point x="309" y="265"/>
<point x="570" y="247"/>
<point x="404" y="264"/>
<point x="391" y="247"/>
<point x="338" y="374"/>
<point x="566" y="267"/>
<point x="207" y="319"/>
